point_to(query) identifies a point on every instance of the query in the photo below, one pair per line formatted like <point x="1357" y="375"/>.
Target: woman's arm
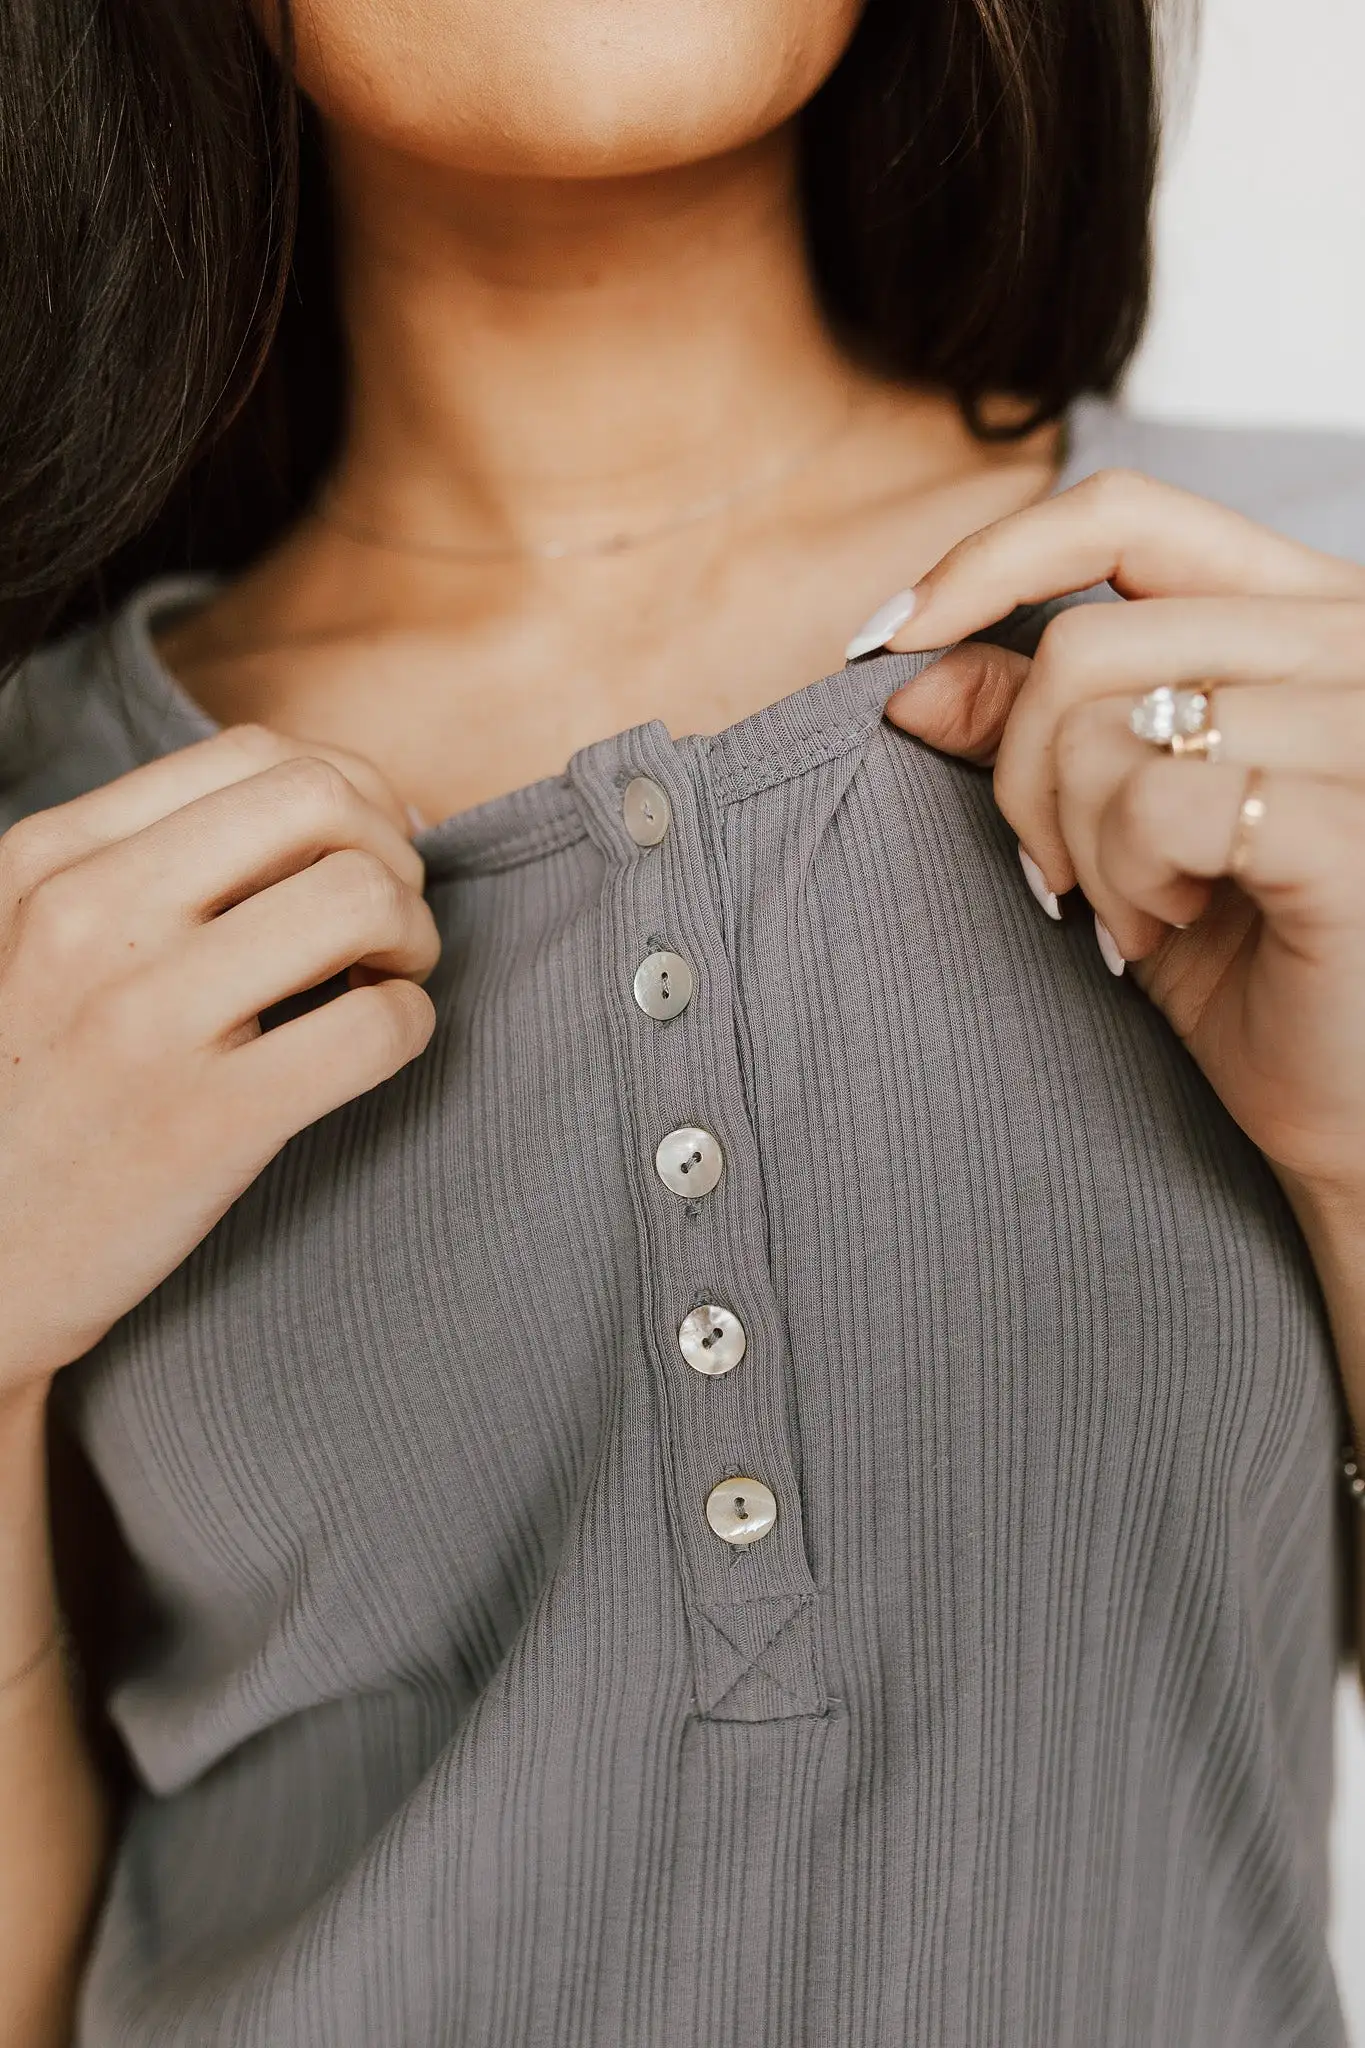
<point x="144" y="928"/>
<point x="52" y="1812"/>
<point x="1334" y="1232"/>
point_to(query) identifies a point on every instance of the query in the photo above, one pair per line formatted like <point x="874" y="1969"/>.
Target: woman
<point x="717" y="1432"/>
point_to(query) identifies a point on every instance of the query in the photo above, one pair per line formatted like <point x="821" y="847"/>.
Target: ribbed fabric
<point x="457" y="1726"/>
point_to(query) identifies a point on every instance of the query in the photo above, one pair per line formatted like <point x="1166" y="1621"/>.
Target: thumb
<point x="960" y="703"/>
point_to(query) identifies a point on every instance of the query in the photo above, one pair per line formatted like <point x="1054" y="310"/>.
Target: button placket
<point x="713" y="1329"/>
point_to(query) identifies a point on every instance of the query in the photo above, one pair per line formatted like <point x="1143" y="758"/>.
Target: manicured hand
<point x="143" y="929"/>
<point x="1263" y="977"/>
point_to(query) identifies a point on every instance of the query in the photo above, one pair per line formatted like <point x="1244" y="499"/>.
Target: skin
<point x="576" y="303"/>
<point x="564" y="350"/>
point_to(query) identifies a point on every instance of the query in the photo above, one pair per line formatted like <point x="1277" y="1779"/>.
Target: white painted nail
<point x="1037" y="881"/>
<point x="1109" y="947"/>
<point x="415" y="819"/>
<point x="885" y="621"/>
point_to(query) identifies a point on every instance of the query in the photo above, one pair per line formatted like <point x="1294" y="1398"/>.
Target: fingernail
<point x="1109" y="947"/>
<point x="1037" y="881"/>
<point x="415" y="819"/>
<point x="885" y="621"/>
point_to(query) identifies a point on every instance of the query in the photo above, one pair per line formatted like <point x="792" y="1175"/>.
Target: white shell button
<point x="712" y="1340"/>
<point x="645" y="810"/>
<point x="664" y="985"/>
<point x="689" y="1161"/>
<point x="741" y="1510"/>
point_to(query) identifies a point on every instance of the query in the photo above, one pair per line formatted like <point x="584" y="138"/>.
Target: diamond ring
<point x="1177" y="721"/>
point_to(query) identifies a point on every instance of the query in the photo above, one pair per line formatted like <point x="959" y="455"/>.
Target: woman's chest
<point x="974" y="1230"/>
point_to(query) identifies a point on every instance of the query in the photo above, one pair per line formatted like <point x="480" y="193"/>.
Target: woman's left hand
<point x="1263" y="978"/>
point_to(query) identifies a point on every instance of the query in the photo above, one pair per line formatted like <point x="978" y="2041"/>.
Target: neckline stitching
<point x="518" y="843"/>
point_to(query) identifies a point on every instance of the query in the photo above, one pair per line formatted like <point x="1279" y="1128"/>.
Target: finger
<point x="1172" y="817"/>
<point x="53" y="839"/>
<point x="960" y="703"/>
<point x="1093" y="651"/>
<point x="310" y="1066"/>
<point x="1095" y="752"/>
<point x="138" y="894"/>
<point x="1299" y="732"/>
<point x="347" y="908"/>
<point x="224" y="846"/>
<point x="1184" y="640"/>
<point x="1145" y="538"/>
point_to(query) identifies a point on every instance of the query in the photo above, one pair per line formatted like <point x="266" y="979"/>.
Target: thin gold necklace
<point x="618" y="543"/>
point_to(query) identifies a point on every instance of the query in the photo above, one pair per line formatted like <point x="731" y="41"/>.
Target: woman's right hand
<point x="143" y="929"/>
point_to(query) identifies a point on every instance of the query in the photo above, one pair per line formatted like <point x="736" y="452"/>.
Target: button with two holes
<point x="689" y="1161"/>
<point x="664" y="985"/>
<point x="741" y="1510"/>
<point x="712" y="1339"/>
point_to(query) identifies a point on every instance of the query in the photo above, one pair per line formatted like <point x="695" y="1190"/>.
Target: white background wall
<point x="1261" y="317"/>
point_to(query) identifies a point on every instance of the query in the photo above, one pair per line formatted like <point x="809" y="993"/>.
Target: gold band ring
<point x="1206" y="744"/>
<point x="1249" y="815"/>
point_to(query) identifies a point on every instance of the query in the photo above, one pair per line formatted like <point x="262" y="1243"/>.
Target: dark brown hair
<point x="977" y="180"/>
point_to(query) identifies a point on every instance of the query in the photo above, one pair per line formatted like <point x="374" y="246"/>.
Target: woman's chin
<point x="573" y="91"/>
<point x="624" y="140"/>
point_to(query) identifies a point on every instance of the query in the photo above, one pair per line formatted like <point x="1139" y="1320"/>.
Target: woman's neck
<point x="535" y="363"/>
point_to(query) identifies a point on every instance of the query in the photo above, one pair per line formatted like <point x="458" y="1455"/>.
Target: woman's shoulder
<point x="1307" y="483"/>
<point x="57" y="729"/>
<point x="89" y="706"/>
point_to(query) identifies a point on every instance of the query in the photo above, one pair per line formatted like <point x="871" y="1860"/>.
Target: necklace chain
<point x="701" y="509"/>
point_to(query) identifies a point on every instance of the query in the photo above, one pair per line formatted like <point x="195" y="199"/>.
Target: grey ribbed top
<point x="456" y="1725"/>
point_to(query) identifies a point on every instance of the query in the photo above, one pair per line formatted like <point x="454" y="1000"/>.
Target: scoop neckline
<point x="826" y="714"/>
